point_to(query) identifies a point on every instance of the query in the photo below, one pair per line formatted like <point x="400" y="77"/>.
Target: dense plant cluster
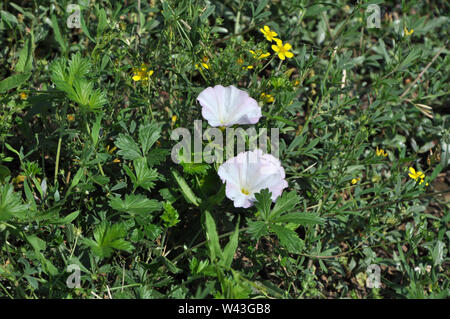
<point x="87" y="176"/>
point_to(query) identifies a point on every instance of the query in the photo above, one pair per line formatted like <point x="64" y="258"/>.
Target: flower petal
<point x="226" y="106"/>
<point x="252" y="171"/>
<point x="289" y="54"/>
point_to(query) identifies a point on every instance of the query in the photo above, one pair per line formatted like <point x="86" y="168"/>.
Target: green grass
<point x="86" y="176"/>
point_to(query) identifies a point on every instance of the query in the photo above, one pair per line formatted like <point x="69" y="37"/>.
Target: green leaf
<point x="156" y="156"/>
<point x="185" y="189"/>
<point x="8" y="17"/>
<point x="437" y="170"/>
<point x="25" y="63"/>
<point x="11" y="203"/>
<point x="145" y="177"/>
<point x="148" y="135"/>
<point x="257" y="229"/>
<point x="37" y="243"/>
<point x="4" y="172"/>
<point x="230" y="248"/>
<point x="195" y="168"/>
<point x="102" y="23"/>
<point x="85" y="29"/>
<point x="108" y="238"/>
<point x="101" y="180"/>
<point x="14" y="81"/>
<point x="263" y="203"/>
<point x="212" y="238"/>
<point x="438" y="253"/>
<point x="95" y="133"/>
<point x="288" y="238"/>
<point x="131" y="175"/>
<point x="135" y="204"/>
<point x="67" y="219"/>
<point x="170" y="215"/>
<point x="78" y="67"/>
<point x="58" y="36"/>
<point x="76" y="179"/>
<point x="128" y="147"/>
<point x="286" y="202"/>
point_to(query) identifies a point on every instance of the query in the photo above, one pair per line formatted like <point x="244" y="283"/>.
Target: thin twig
<point x="423" y="71"/>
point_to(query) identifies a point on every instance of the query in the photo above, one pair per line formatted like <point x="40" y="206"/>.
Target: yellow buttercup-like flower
<point x="381" y="152"/>
<point x="23" y="95"/>
<point x="204" y="64"/>
<point x="355" y="180"/>
<point x="269" y="34"/>
<point x="267" y="98"/>
<point x="259" y="55"/>
<point x="141" y="74"/>
<point x="417" y="175"/>
<point x="407" y="33"/>
<point x="282" y="49"/>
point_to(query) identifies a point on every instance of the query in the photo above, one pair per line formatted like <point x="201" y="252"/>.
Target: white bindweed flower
<point x="226" y="106"/>
<point x="250" y="172"/>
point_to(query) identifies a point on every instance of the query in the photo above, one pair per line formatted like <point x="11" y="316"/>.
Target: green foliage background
<point x="86" y="176"/>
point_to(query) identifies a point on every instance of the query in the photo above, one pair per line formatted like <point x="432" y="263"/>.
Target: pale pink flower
<point x="226" y="106"/>
<point x="250" y="172"/>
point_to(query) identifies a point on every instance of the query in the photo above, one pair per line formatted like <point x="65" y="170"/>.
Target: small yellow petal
<point x="136" y="78"/>
<point x="289" y="54"/>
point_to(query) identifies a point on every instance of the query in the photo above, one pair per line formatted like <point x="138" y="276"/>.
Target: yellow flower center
<point x="244" y="191"/>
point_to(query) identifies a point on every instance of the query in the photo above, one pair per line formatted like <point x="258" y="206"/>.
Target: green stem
<point x="58" y="153"/>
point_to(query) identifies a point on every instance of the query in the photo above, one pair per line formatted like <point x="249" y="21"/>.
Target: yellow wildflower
<point x="267" y="98"/>
<point x="415" y="175"/>
<point x="70" y="117"/>
<point x="269" y="34"/>
<point x="407" y="33"/>
<point x="203" y="64"/>
<point x="282" y="49"/>
<point x="259" y="55"/>
<point x="381" y="152"/>
<point x="23" y="95"/>
<point x="116" y="160"/>
<point x="141" y="74"/>
<point x="174" y="119"/>
<point x="355" y="180"/>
